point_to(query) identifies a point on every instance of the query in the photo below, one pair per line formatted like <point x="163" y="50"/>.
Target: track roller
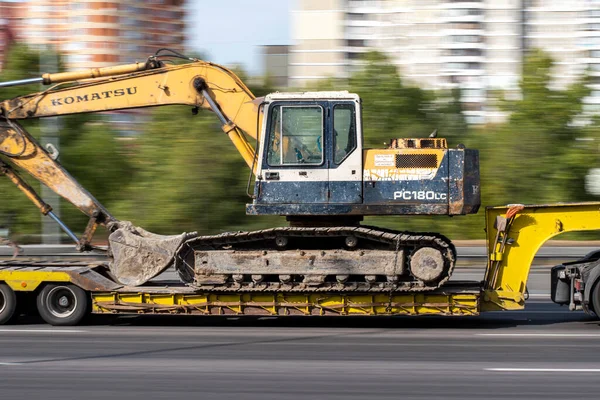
<point x="351" y="241"/>
<point x="281" y="242"/>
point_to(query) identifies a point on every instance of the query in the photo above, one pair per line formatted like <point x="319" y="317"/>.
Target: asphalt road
<point x="542" y="352"/>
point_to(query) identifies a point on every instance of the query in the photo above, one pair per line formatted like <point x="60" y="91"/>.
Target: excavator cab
<point x="312" y="162"/>
<point x="311" y="152"/>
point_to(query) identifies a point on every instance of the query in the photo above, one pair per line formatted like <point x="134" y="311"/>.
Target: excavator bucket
<point x="138" y="255"/>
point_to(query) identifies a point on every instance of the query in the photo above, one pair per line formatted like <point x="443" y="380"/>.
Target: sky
<point x="231" y="31"/>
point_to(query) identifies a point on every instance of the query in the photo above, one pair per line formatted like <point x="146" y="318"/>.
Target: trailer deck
<point x="172" y="297"/>
<point x="66" y="291"/>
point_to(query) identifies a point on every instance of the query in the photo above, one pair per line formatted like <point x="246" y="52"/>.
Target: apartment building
<point x="275" y="60"/>
<point x="94" y="34"/>
<point x="476" y="45"/>
<point x="5" y="39"/>
<point x="318" y="29"/>
<point x="12" y="17"/>
<point x="556" y="26"/>
<point x="589" y="42"/>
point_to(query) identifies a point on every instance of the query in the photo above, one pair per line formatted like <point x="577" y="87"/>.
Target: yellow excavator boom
<point x="200" y="84"/>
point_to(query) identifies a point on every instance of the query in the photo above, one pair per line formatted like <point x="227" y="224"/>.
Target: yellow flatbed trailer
<point x="66" y="291"/>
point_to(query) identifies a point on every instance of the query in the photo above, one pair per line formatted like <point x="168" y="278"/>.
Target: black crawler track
<point x="327" y="237"/>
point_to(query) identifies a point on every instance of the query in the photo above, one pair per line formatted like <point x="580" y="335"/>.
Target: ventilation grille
<point x="416" y="161"/>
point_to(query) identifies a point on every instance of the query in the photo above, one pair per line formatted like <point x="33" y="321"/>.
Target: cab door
<point x="345" y="153"/>
<point x="294" y="164"/>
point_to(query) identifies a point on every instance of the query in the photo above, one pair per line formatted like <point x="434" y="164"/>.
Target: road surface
<point x="542" y="352"/>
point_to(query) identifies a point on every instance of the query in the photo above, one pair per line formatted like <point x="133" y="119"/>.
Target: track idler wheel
<point x="427" y="264"/>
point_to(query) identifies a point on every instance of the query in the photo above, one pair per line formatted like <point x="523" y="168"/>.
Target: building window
<point x="78" y="58"/>
<point x="593" y="27"/>
<point x="357" y="17"/>
<point x="355" y="43"/>
<point x="79" y="32"/>
<point x="462" y="12"/>
<point x="466" y="25"/>
<point x="466" y="38"/>
<point x="77" y="19"/>
<point x="464" y="52"/>
<point x="472" y="92"/>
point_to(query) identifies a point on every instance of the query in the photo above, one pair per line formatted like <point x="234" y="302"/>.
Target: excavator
<point x="305" y="151"/>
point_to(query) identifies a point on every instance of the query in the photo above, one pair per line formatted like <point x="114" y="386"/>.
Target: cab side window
<point x="344" y="131"/>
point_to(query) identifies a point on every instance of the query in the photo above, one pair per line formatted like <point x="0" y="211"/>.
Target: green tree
<point x="537" y="148"/>
<point x="20" y="63"/>
<point x="98" y="158"/>
<point x="188" y="179"/>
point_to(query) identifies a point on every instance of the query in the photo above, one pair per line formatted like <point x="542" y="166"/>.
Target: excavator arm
<point x="200" y="84"/>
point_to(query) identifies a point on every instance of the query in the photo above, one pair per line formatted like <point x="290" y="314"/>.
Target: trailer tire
<point x="8" y="304"/>
<point x="594" y="299"/>
<point x="62" y="304"/>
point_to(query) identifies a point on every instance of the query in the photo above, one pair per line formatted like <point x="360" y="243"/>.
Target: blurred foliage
<point x="180" y="173"/>
<point x="187" y="176"/>
<point x="89" y="149"/>
<point x="100" y="161"/>
<point x="22" y="217"/>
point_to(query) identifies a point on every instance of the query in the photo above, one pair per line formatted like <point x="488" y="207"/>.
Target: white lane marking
<point x="543" y="369"/>
<point x="9" y="363"/>
<point x="42" y="331"/>
<point x="565" y="311"/>
<point x="559" y="335"/>
<point x="539" y="295"/>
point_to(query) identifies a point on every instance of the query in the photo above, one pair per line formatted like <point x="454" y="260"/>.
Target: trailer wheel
<point x="62" y="304"/>
<point x="8" y="304"/>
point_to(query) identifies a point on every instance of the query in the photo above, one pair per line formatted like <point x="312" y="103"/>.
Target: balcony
<point x="461" y="18"/>
<point x="451" y="71"/>
<point x="364" y="23"/>
<point x="462" y="59"/>
<point x="462" y="45"/>
<point x="463" y="4"/>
